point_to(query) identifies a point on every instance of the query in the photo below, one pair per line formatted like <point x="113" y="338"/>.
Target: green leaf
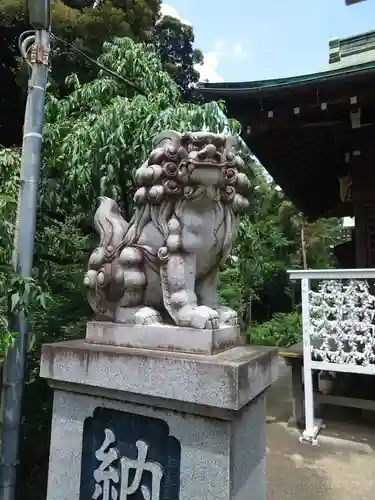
<point x="15" y="300"/>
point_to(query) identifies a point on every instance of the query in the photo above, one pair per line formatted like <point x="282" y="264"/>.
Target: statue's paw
<point x="228" y="316"/>
<point x="147" y="316"/>
<point x="204" y="317"/>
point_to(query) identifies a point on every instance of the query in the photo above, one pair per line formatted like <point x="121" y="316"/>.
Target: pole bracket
<point x="39" y="54"/>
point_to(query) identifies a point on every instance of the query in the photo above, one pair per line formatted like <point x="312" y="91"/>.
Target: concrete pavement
<point x="342" y="467"/>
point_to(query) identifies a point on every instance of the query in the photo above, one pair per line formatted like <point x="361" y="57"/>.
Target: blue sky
<point x="246" y="40"/>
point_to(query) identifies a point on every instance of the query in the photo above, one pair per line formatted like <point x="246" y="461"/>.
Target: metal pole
<point x="15" y="363"/>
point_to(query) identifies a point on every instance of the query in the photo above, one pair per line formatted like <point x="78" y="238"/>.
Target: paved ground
<point x="342" y="467"/>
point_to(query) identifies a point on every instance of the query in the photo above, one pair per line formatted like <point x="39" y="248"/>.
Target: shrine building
<point x="315" y="135"/>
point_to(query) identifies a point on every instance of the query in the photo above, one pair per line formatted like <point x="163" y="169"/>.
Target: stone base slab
<point x="162" y="337"/>
<point x="218" y="459"/>
<point x="227" y="380"/>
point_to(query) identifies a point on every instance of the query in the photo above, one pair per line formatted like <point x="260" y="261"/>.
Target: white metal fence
<point x="338" y="322"/>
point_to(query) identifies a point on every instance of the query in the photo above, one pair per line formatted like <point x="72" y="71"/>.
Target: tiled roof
<point x="277" y="83"/>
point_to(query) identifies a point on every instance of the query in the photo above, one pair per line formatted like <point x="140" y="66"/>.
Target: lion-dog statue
<point x="163" y="266"/>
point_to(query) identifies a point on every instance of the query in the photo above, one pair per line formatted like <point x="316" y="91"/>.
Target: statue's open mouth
<point x="209" y="162"/>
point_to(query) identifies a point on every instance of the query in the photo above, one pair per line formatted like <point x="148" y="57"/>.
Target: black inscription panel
<point x="128" y="457"/>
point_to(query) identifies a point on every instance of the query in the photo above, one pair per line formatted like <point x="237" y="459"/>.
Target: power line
<point x="106" y="70"/>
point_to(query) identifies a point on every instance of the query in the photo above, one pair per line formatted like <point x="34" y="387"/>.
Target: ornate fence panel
<point x="338" y="318"/>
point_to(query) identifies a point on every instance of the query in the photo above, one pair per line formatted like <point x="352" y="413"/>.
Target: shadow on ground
<point x="342" y="467"/>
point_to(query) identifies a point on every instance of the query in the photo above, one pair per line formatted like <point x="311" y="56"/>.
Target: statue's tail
<point x="110" y="224"/>
<point x="105" y="279"/>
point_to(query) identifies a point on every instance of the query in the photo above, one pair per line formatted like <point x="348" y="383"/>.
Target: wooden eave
<point x="247" y="89"/>
<point x="300" y="128"/>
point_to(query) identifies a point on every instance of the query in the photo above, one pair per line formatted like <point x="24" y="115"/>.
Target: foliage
<point x="98" y="130"/>
<point x="260" y="255"/>
<point x="255" y="280"/>
<point x="87" y="28"/>
<point x="9" y="185"/>
<point x="17" y="294"/>
<point x="104" y="129"/>
<point x="94" y="139"/>
<point x="283" y="330"/>
<point x="174" y="43"/>
<point x="95" y="136"/>
<point x="315" y="239"/>
<point x="91" y="27"/>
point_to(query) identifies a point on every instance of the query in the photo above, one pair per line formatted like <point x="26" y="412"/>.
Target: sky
<point x="245" y="40"/>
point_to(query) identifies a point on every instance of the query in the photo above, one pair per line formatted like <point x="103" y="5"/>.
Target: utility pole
<point x="15" y="362"/>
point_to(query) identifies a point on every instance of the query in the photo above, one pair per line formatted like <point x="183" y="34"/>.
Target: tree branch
<point x="61" y="261"/>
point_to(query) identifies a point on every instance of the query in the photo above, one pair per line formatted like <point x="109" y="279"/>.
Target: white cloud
<point x="222" y="49"/>
<point x="228" y="49"/>
<point x="208" y="70"/>
<point x="168" y="10"/>
<point x="238" y="50"/>
<point x="219" y="46"/>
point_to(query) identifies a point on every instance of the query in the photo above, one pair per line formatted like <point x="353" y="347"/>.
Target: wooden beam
<point x="363" y="94"/>
<point x="334" y="113"/>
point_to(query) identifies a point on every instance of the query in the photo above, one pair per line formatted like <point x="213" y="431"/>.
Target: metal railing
<point x="338" y="324"/>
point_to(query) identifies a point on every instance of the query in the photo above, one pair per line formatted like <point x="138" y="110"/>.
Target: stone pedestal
<point x="131" y="423"/>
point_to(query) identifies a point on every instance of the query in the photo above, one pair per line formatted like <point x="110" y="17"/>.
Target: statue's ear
<point x="168" y="137"/>
<point x="231" y="143"/>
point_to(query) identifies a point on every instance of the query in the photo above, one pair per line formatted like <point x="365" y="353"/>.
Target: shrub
<point x="283" y="330"/>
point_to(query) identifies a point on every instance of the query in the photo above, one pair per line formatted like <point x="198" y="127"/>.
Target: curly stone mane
<point x="167" y="180"/>
<point x="186" y="177"/>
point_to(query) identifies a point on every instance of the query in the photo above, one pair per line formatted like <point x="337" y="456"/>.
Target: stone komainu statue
<point x="163" y="265"/>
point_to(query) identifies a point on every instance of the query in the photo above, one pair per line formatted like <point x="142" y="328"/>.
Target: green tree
<point x="95" y="136"/>
<point x="94" y="139"/>
<point x="13" y="288"/>
<point x="274" y="237"/>
<point x="86" y="28"/>
<point x="260" y="256"/>
<point x="174" y="43"/>
<point x="313" y="241"/>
